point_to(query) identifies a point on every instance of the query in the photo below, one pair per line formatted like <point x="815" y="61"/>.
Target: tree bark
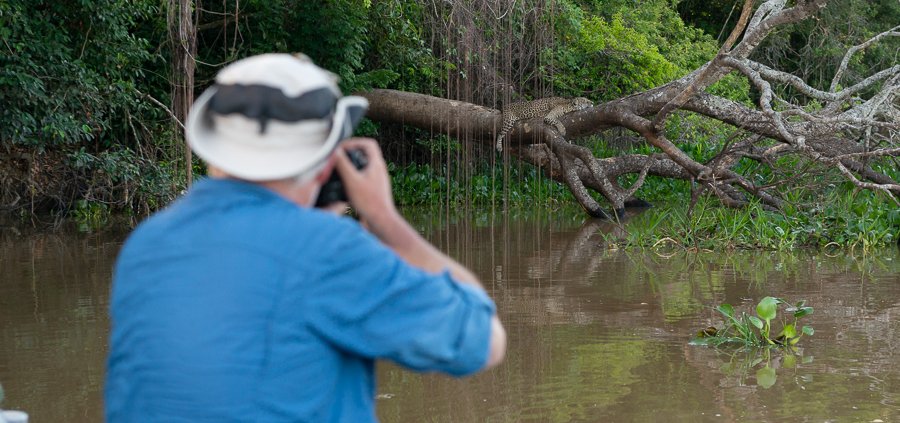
<point x="182" y="22"/>
<point x="830" y="136"/>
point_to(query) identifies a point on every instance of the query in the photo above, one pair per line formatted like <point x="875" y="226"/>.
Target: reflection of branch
<point x="12" y="204"/>
<point x="581" y="252"/>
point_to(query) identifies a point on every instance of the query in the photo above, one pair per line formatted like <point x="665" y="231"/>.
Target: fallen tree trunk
<point x="847" y="134"/>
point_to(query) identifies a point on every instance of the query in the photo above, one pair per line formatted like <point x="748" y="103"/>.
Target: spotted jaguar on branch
<point x="551" y="108"/>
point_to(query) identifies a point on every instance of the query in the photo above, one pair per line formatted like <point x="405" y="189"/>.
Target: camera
<point x="333" y="189"/>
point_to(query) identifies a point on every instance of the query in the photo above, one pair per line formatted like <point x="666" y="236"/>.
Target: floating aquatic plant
<point x="757" y="331"/>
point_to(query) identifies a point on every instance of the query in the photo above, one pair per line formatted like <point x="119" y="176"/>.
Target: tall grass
<point x="839" y="220"/>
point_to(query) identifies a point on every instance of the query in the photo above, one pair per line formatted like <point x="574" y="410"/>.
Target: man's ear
<point x="215" y="172"/>
<point x="325" y="173"/>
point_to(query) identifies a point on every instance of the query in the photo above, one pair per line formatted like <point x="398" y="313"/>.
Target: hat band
<point x="264" y="103"/>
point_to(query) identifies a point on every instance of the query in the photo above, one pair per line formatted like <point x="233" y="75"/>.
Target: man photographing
<point x="242" y="302"/>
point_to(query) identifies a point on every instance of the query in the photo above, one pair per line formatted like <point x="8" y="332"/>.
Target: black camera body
<point x="333" y="189"/>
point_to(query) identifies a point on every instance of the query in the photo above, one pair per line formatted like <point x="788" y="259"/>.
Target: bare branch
<point x="800" y="85"/>
<point x="765" y="101"/>
<point x="163" y="106"/>
<point x="885" y="188"/>
<point x="894" y="152"/>
<point x="773" y="18"/>
<point x="739" y="27"/>
<point x="893" y="32"/>
<point x="639" y="182"/>
<point x="765" y="10"/>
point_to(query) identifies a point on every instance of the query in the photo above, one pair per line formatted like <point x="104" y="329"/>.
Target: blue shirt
<point x="236" y="305"/>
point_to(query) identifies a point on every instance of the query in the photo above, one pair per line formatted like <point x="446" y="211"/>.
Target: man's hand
<point x="368" y="189"/>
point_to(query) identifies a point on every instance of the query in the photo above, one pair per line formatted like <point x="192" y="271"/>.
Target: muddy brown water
<point x="595" y="334"/>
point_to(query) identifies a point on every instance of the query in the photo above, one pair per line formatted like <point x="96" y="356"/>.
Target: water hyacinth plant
<point x="757" y="331"/>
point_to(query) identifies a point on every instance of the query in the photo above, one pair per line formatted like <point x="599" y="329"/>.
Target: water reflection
<point x="600" y="335"/>
<point x="53" y="325"/>
<point x="595" y="334"/>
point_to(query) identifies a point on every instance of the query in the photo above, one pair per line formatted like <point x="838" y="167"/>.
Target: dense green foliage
<point x="522" y="186"/>
<point x="83" y="86"/>
<point x="70" y="81"/>
<point x="69" y="71"/>
<point x="623" y="49"/>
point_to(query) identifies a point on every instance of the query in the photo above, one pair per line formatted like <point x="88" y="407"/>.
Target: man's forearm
<point x="395" y="232"/>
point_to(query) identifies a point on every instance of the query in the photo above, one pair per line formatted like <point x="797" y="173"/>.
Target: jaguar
<point x="550" y="108"/>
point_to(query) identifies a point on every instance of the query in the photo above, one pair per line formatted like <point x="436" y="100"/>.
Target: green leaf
<point x="789" y="331"/>
<point x="808" y="330"/>
<point x="726" y="309"/>
<point x="756" y="322"/>
<point x="767" y="308"/>
<point x="803" y="311"/>
<point x="765" y="377"/>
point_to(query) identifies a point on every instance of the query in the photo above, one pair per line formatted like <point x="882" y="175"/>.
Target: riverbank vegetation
<point x="788" y="138"/>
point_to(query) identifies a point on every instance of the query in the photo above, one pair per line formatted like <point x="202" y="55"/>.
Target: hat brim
<point x="260" y="162"/>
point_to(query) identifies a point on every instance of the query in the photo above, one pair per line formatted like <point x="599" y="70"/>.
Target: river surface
<point x="595" y="334"/>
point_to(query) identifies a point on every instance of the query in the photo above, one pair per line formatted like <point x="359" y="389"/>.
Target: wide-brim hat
<point x="271" y="116"/>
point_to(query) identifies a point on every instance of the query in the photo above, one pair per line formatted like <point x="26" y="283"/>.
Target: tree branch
<point x="893" y="32"/>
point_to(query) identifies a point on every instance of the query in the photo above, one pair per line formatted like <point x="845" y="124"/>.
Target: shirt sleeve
<point x="368" y="301"/>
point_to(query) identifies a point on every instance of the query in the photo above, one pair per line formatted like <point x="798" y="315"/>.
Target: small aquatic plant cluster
<point x="757" y="331"/>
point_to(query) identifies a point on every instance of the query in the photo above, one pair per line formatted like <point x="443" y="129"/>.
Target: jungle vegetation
<point x="766" y="110"/>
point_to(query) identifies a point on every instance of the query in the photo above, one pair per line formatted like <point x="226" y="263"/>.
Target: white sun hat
<point x="271" y="116"/>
